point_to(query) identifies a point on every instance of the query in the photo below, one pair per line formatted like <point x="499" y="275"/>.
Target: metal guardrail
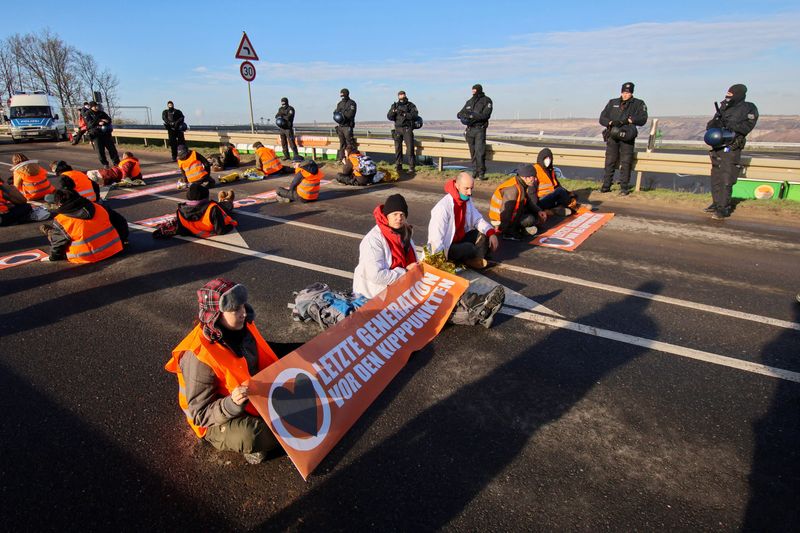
<point x="662" y="162"/>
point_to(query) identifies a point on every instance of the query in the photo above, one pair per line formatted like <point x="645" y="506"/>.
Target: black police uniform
<point x="740" y="117"/>
<point x="287" y="134"/>
<point x="347" y="108"/>
<point x="620" y="151"/>
<point x="173" y="119"/>
<point x="403" y="113"/>
<point x="102" y="141"/>
<point x="476" y="113"/>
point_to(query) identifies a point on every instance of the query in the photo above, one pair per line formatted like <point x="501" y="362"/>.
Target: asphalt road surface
<point x="658" y="390"/>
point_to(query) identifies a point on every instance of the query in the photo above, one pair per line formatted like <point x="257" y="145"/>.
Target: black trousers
<point x="287" y="138"/>
<point x="16" y="213"/>
<point x="103" y="143"/>
<point x="404" y="135"/>
<point x="345" y="138"/>
<point x="474" y="244"/>
<point x="620" y="154"/>
<point x="351" y="179"/>
<point x="175" y="139"/>
<point x="476" y="139"/>
<point x="725" y="167"/>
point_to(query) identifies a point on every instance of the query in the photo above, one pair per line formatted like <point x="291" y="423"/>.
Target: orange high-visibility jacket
<point x="308" y="189"/>
<point x="496" y="203"/>
<point x="230" y="370"/>
<point x="354" y="161"/>
<point x="547" y="182"/>
<point x="136" y="173"/>
<point x="34" y="187"/>
<point x="193" y="168"/>
<point x="204" y="227"/>
<point x="83" y="185"/>
<point x="92" y="240"/>
<point x="270" y="163"/>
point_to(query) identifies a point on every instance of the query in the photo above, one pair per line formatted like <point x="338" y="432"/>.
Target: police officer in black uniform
<point x="286" y="112"/>
<point x="475" y="116"/>
<point x="347" y="108"/>
<point x="403" y="113"/>
<point x="98" y="126"/>
<point x="739" y="117"/>
<point x="175" y="124"/>
<point x="620" y="118"/>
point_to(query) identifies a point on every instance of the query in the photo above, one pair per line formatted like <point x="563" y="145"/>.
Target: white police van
<point x="36" y="116"/>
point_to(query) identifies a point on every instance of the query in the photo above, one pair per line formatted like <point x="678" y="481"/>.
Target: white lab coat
<point x="373" y="274"/>
<point x="442" y="227"/>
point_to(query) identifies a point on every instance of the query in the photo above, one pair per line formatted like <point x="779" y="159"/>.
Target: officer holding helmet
<point x="726" y="133"/>
<point x="620" y="117"/>
<point x="284" y="119"/>
<point x="404" y="114"/>
<point x="99" y="127"/>
<point x="175" y="124"/>
<point x="345" y="117"/>
<point x="475" y="116"/>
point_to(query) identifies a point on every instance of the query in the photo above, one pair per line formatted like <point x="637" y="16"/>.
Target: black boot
<point x="711" y="208"/>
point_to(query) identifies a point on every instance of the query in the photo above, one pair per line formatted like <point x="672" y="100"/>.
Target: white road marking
<point x="654" y="297"/>
<point x="233" y="238"/>
<point x="690" y="353"/>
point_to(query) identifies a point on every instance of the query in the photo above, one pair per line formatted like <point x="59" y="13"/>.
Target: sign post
<point x="247" y="69"/>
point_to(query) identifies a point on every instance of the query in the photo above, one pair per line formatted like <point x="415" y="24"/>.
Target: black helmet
<point x="338" y="117"/>
<point x="282" y="122"/>
<point x="715" y="137"/>
<point x="106" y="128"/>
<point x="418" y="123"/>
<point x="183" y="127"/>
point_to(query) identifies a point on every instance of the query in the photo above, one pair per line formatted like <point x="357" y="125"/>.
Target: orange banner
<point x="311" y="397"/>
<point x="572" y="231"/>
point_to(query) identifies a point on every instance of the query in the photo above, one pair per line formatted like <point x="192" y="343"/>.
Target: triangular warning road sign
<point x="246" y="50"/>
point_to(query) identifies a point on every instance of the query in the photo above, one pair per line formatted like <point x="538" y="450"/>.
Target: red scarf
<point x="402" y="256"/>
<point x="459" y="210"/>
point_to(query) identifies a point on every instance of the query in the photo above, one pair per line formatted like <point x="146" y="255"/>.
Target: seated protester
<point x="78" y="181"/>
<point x="29" y="178"/>
<point x="549" y="192"/>
<point x="195" y="168"/>
<point x="83" y="231"/>
<point x="230" y="156"/>
<point x="458" y="229"/>
<point x="106" y="177"/>
<point x="14" y="208"/>
<point x="358" y="169"/>
<point x="511" y="210"/>
<point x="387" y="251"/>
<point x="304" y="186"/>
<point x="268" y="162"/>
<point x="213" y="364"/>
<point x="201" y="217"/>
<point x="131" y="170"/>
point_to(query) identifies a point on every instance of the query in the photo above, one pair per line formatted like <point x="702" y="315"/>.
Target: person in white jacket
<point x="386" y="251"/>
<point x="458" y="229"/>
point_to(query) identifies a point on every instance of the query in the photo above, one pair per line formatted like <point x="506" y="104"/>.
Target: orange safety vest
<point x="204" y="228"/>
<point x="354" y="161"/>
<point x="35" y="187"/>
<point x="92" y="240"/>
<point x="236" y="153"/>
<point x="83" y="185"/>
<point x="230" y="370"/>
<point x="193" y="168"/>
<point x="137" y="171"/>
<point x="308" y="189"/>
<point x="496" y="203"/>
<point x="270" y="163"/>
<point x="5" y="204"/>
<point x="547" y="183"/>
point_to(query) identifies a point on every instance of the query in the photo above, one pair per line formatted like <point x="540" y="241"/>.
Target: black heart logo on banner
<point x="298" y="407"/>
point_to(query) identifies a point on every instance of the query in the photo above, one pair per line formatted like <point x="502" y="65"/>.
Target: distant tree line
<point x="44" y="62"/>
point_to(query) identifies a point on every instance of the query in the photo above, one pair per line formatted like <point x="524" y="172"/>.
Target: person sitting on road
<point x="458" y="229"/>
<point x="201" y="217"/>
<point x="194" y="167"/>
<point x="268" y="162"/>
<point x="387" y="252"/>
<point x="358" y="169"/>
<point x="29" y="178"/>
<point x="14" y="208"/>
<point x="131" y="170"/>
<point x="511" y="210"/>
<point x="213" y="364"/>
<point x="548" y="191"/>
<point x="304" y="186"/>
<point x="78" y="181"/>
<point x="83" y="231"/>
<point x="228" y="158"/>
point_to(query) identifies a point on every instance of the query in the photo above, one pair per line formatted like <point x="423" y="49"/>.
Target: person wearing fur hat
<point x="740" y="117"/>
<point x="201" y="217"/>
<point x="29" y="178"/>
<point x="214" y="363"/>
<point x="304" y="186"/>
<point x="475" y="116"/>
<point x="620" y="118"/>
<point x="346" y="111"/>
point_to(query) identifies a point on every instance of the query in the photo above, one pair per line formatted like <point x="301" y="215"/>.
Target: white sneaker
<point x="182" y="185"/>
<point x="562" y="211"/>
<point x="532" y="230"/>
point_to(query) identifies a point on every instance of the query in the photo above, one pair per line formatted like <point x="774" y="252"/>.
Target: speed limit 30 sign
<point x="248" y="71"/>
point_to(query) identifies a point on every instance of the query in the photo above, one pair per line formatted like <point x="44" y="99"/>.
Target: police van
<point x="36" y="115"/>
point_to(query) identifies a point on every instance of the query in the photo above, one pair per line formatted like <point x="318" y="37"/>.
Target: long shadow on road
<point x="430" y="470"/>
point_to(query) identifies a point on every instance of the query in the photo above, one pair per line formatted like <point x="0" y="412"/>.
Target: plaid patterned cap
<point x="208" y="300"/>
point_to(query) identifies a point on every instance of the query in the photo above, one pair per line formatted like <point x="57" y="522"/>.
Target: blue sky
<point x="534" y="59"/>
